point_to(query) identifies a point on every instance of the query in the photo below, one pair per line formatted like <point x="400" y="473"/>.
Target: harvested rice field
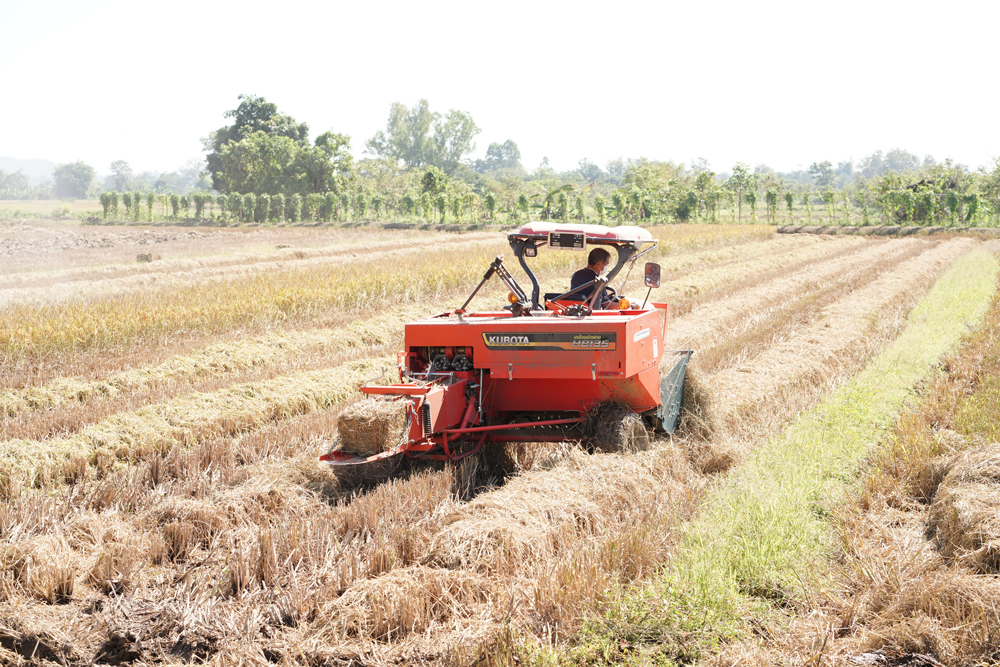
<point x="830" y="497"/>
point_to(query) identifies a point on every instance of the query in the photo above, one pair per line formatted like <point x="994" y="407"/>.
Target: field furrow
<point x="815" y="352"/>
<point x="218" y="361"/>
<point x="746" y="338"/>
<point x="710" y="322"/>
<point x="181" y="277"/>
<point x="352" y="247"/>
<point x="185" y="421"/>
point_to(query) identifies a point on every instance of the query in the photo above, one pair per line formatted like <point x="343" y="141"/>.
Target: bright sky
<point x="781" y="83"/>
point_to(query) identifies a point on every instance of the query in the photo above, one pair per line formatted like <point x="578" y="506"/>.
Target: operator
<point x="597" y="261"/>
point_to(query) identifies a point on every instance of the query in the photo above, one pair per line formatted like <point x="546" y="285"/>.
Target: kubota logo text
<point x="549" y="341"/>
<point x="508" y="340"/>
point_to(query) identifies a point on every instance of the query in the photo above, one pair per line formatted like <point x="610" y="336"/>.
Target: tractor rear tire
<point x="612" y="428"/>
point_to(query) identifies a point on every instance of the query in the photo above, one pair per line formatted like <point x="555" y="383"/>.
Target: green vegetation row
<point x="563" y="203"/>
<point x="762" y="531"/>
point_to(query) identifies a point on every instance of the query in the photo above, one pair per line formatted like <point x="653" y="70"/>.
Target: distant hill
<point x="37" y="171"/>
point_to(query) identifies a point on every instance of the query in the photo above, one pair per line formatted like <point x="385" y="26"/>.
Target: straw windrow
<point x="188" y="420"/>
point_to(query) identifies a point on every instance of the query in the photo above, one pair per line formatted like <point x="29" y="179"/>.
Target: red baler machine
<point x="534" y="370"/>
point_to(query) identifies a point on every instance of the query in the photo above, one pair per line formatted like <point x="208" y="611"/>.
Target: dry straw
<point x="965" y="514"/>
<point x="188" y="420"/>
<point x="372" y="426"/>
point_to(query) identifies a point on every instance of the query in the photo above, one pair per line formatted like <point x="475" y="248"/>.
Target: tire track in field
<point x="841" y="336"/>
<point x="717" y="322"/>
<point x="676" y="266"/>
<point x="707" y="283"/>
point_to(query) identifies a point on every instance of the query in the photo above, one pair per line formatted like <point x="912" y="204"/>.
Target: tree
<point x="618" y="201"/>
<point x="550" y="196"/>
<point x="277" y="208"/>
<point x="248" y="206"/>
<point x="831" y="206"/>
<point x="72" y="180"/>
<point x="491" y="204"/>
<point x="454" y="137"/>
<point x="751" y="197"/>
<point x="312" y="207"/>
<point x="337" y="148"/>
<point x="15" y="186"/>
<point x="822" y="173"/>
<point x="312" y="171"/>
<point x="259" y="163"/>
<point x="122" y="177"/>
<point x="523" y="205"/>
<point x="589" y="171"/>
<point x="897" y="160"/>
<point x="360" y="205"/>
<point x="599" y="207"/>
<point x="704" y="183"/>
<point x="408" y="204"/>
<point x="434" y="181"/>
<point x="441" y="203"/>
<point x="268" y="151"/>
<point x="563" y="202"/>
<point x="329" y="206"/>
<point x="615" y="170"/>
<point x="740" y="182"/>
<point x="254" y="114"/>
<point x="692" y="202"/>
<point x="500" y="157"/>
<point x="408" y="137"/>
<point x="105" y="199"/>
<point x="771" y="198"/>
<point x="200" y="199"/>
<point x="294" y="207"/>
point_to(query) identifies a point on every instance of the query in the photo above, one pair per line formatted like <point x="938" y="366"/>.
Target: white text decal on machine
<point x="576" y="341"/>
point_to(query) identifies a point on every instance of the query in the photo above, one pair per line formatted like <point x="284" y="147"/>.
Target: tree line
<point x="650" y="192"/>
<point x="264" y="168"/>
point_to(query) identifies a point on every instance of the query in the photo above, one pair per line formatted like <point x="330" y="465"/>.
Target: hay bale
<point x="965" y="514"/>
<point x="146" y="257"/>
<point x="371" y="427"/>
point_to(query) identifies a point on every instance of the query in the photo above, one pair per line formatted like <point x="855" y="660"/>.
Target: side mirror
<point x="652" y="278"/>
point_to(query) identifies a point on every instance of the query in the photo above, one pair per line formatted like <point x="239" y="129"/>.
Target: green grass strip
<point x="762" y="535"/>
<point x="762" y="530"/>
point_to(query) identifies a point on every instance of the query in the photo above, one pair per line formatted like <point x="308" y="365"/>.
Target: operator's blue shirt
<point x="582" y="277"/>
